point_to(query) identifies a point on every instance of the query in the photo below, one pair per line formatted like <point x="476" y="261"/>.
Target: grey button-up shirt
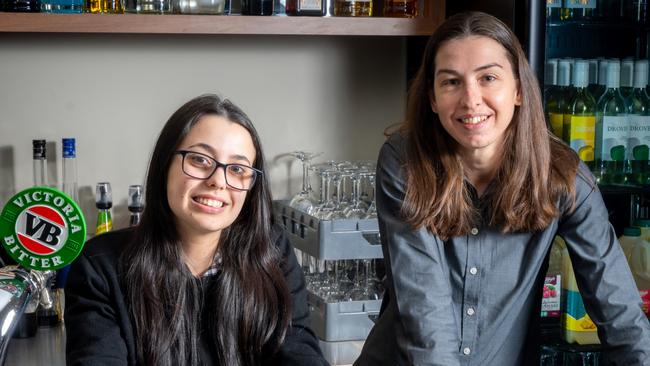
<point x="474" y="300"/>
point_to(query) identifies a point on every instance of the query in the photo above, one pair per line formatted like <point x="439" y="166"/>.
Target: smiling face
<point x="475" y="93"/>
<point x="205" y="207"/>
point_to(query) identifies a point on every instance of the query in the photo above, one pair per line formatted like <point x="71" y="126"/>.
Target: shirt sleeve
<point x="603" y="276"/>
<point x="300" y="347"/>
<point x="93" y="336"/>
<point x="417" y="273"/>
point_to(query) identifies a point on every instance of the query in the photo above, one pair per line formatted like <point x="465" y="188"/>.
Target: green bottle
<point x="580" y="118"/>
<point x="104" y="202"/>
<point x="556" y="103"/>
<point x="612" y="131"/>
<point x="638" y="108"/>
<point x="627" y="77"/>
<point x="598" y="89"/>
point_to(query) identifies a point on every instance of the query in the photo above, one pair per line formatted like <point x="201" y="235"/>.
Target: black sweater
<point x="98" y="327"/>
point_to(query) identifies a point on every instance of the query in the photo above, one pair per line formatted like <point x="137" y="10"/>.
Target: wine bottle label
<point x="582" y="134"/>
<point x="615" y="136"/>
<point x="639" y="139"/>
<point x="580" y="4"/>
<point x="310" y="4"/>
<point x="42" y="228"/>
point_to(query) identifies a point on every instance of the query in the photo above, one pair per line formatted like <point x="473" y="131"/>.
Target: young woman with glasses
<point x="205" y="278"/>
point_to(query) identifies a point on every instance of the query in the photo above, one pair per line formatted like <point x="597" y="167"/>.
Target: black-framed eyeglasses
<point x="200" y="166"/>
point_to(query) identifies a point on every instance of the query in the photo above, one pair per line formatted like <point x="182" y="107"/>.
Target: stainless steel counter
<point x="47" y="348"/>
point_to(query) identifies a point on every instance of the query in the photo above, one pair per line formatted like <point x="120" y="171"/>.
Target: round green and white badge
<point x="42" y="228"/>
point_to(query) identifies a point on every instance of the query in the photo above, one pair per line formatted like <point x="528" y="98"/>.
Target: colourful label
<point x="639" y="137"/>
<point x="581" y="131"/>
<point x="553" y="3"/>
<point x="645" y="298"/>
<point x="575" y="316"/>
<point x="42" y="228"/>
<point x="615" y="134"/>
<point x="556" y="120"/>
<point x="551" y="297"/>
<point x="580" y="4"/>
<point x="104" y="222"/>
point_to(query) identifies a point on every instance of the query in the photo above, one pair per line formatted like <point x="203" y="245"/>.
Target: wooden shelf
<point x="217" y="24"/>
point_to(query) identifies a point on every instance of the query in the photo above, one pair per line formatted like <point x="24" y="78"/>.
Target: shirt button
<point x="473" y="270"/>
<point x="474" y="231"/>
<point x="470" y="311"/>
<point x="467" y="351"/>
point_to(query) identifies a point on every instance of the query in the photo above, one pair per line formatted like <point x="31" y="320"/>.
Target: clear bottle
<point x="627" y="77"/>
<point x="208" y="7"/>
<point x="638" y="109"/>
<point x="353" y="8"/>
<point x="39" y="163"/>
<point x="151" y="6"/>
<point x="306" y="7"/>
<point x="104" y="202"/>
<point x="612" y="131"/>
<point x="557" y="100"/>
<point x="136" y="203"/>
<point x="69" y="153"/>
<point x="580" y="118"/>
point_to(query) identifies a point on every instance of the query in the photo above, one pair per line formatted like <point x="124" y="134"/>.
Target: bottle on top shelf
<point x="306" y="7"/>
<point x="579" y="118"/>
<point x="62" y="6"/>
<point x="136" y="203"/>
<point x="353" y="8"/>
<point x="156" y="6"/>
<point x="104" y="202"/>
<point x="20" y="6"/>
<point x="612" y="131"/>
<point x="257" y="7"/>
<point x="638" y="109"/>
<point x="401" y="8"/>
<point x="104" y="6"/>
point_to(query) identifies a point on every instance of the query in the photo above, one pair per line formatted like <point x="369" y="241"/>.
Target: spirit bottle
<point x="39" y="163"/>
<point x="104" y="202"/>
<point x="353" y="8"/>
<point x="401" y="8"/>
<point x="136" y="203"/>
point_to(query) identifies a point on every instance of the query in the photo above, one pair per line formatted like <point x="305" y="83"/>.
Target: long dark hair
<point x="247" y="308"/>
<point x="536" y="169"/>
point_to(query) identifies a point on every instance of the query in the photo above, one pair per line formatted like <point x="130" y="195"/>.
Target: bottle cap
<point x="564" y="72"/>
<point x="627" y="73"/>
<point x="103" y="196"/>
<point x="602" y="72"/>
<point x="640" y="74"/>
<point x="631" y="231"/>
<point x="613" y="74"/>
<point x="136" y="198"/>
<point x="580" y="77"/>
<point x="593" y="71"/>
<point x="38" y="149"/>
<point x="69" y="149"/>
<point x="550" y="73"/>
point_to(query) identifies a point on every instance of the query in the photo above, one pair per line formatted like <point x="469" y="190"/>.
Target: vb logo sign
<point x="42" y="228"/>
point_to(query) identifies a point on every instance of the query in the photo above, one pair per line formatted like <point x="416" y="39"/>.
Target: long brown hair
<point x="246" y="310"/>
<point x="536" y="169"/>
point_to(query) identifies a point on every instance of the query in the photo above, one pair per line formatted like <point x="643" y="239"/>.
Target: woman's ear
<point x="518" y="95"/>
<point x="432" y="101"/>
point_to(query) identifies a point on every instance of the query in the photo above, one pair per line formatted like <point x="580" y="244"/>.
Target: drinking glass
<point x="303" y="201"/>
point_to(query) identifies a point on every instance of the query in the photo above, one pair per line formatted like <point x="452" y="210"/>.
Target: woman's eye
<point x="449" y="82"/>
<point x="236" y="169"/>
<point x="489" y="78"/>
<point x="200" y="160"/>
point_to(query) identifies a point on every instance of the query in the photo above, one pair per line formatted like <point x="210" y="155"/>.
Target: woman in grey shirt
<point x="471" y="191"/>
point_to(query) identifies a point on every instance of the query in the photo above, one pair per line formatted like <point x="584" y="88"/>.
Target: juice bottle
<point x="577" y="326"/>
<point x="550" y="321"/>
<point x="640" y="266"/>
<point x="644" y="225"/>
